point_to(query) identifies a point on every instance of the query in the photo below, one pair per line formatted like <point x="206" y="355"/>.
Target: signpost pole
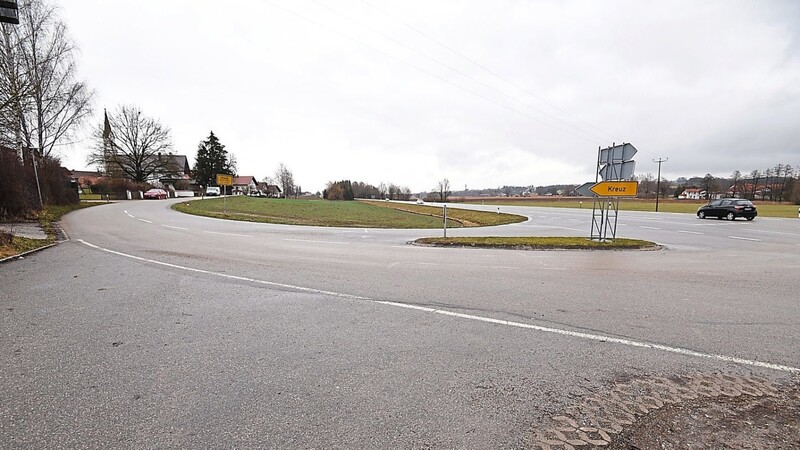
<point x="444" y="219"/>
<point x="658" y="180"/>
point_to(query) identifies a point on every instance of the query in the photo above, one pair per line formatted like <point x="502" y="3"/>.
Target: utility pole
<point x="658" y="180"/>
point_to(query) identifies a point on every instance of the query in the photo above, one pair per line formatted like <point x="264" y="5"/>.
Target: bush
<point x="117" y="187"/>
<point x="19" y="197"/>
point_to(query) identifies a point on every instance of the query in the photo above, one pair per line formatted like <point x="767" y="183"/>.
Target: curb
<point x="656" y="247"/>
<point x="29" y="252"/>
<point x="61" y="236"/>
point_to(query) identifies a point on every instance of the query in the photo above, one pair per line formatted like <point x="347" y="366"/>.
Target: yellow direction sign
<point x="616" y="188"/>
<point x="224" y="180"/>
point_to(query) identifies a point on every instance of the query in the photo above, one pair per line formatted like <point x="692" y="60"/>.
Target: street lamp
<point x="658" y="180"/>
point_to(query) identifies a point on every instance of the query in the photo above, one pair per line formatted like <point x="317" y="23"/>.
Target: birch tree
<point x="43" y="103"/>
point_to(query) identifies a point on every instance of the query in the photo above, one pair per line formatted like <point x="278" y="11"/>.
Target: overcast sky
<point x="484" y="93"/>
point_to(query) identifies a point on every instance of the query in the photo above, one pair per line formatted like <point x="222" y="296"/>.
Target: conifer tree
<point x="212" y="159"/>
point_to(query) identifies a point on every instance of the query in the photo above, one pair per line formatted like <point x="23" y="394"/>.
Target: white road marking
<point x="225" y="275"/>
<point x="744" y="238"/>
<point x="316" y="242"/>
<point x="174" y="227"/>
<point x="597" y="337"/>
<point x="227" y="234"/>
<point x="775" y="232"/>
<point x="649" y="228"/>
<point x="689" y="232"/>
<point x="574" y="334"/>
<point x="145" y="221"/>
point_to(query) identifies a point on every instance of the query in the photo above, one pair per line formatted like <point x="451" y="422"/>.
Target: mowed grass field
<point x="354" y="214"/>
<point x="765" y="209"/>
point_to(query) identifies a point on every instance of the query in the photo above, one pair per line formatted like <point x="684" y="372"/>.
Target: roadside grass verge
<point x="11" y="245"/>
<point x="538" y="243"/>
<point x="91" y="197"/>
<point x="324" y="213"/>
<point x="17" y="245"/>
<point x="673" y="206"/>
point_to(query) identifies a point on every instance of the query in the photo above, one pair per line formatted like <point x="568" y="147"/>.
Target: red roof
<point x="244" y="181"/>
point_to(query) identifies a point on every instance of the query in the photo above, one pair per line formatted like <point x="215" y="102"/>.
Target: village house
<point x="244" y="185"/>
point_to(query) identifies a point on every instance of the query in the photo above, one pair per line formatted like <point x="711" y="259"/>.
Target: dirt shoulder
<point x="719" y="411"/>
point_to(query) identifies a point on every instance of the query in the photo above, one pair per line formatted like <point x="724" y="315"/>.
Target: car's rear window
<point x="743" y="203"/>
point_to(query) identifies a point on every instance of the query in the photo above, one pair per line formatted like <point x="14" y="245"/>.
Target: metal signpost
<point x="615" y="166"/>
<point x="224" y="180"/>
<point x="658" y="180"/>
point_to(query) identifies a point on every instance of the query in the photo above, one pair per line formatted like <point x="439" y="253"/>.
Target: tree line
<point x="347" y="190"/>
<point x="780" y="183"/>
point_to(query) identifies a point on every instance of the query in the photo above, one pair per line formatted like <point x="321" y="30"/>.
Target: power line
<point x="478" y="64"/>
<point x="444" y="80"/>
<point x="454" y="69"/>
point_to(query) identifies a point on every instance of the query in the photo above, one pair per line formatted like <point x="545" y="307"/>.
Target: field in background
<point x="765" y="209"/>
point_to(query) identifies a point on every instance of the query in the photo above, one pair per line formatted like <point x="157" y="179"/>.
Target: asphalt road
<point x="154" y="329"/>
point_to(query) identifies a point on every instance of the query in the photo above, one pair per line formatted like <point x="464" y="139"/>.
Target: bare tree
<point x="664" y="187"/>
<point x="38" y="72"/>
<point x="285" y="179"/>
<point x="647" y="183"/>
<point x="709" y="184"/>
<point x="14" y="89"/>
<point x="755" y="176"/>
<point x="382" y="190"/>
<point x="788" y="173"/>
<point x="443" y="189"/>
<point x="133" y="146"/>
<point x="736" y="177"/>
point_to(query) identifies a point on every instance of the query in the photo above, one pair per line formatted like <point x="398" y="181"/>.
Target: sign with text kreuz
<point x="616" y="188"/>
<point x="615" y="166"/>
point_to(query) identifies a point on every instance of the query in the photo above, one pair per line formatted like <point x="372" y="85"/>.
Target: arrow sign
<point x="618" y="171"/>
<point x="585" y="190"/>
<point x="616" y="188"/>
<point x="623" y="152"/>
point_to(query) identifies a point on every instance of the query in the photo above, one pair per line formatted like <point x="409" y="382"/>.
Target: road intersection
<point x="203" y="332"/>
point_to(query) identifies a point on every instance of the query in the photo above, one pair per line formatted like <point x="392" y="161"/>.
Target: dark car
<point x="728" y="208"/>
